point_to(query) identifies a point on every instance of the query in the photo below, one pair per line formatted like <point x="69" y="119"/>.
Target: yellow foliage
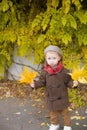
<point x="55" y="3"/>
<point x="79" y="74"/>
<point x="66" y="5"/>
<point x="84" y="50"/>
<point x="27" y="76"/>
<point x="77" y="3"/>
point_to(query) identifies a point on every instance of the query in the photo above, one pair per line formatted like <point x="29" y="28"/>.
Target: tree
<point x="64" y="23"/>
<point x="31" y="25"/>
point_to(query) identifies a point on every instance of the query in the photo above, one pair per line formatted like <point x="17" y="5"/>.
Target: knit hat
<point x="53" y="48"/>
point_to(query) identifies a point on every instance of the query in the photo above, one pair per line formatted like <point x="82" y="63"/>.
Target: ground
<point x="21" y="109"/>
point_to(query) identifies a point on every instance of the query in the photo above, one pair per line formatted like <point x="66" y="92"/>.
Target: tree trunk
<point x="5" y="71"/>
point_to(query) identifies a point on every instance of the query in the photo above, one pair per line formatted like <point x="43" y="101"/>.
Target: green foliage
<point x="32" y="25"/>
<point x="77" y="4"/>
<point x="55" y="3"/>
<point x="62" y="28"/>
<point x="75" y="97"/>
<point x="5" y="5"/>
<point x="66" y="6"/>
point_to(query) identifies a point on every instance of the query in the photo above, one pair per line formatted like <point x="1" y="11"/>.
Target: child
<point x="56" y="80"/>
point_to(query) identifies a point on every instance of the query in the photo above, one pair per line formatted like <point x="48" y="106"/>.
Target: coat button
<point x="59" y="98"/>
<point x="58" y="86"/>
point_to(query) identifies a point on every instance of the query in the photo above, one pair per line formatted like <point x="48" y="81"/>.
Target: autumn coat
<point x="56" y="88"/>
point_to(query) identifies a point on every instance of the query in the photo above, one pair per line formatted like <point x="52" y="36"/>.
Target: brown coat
<point x="56" y="88"/>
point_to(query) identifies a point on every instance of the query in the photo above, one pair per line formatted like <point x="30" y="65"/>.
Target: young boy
<point x="56" y="80"/>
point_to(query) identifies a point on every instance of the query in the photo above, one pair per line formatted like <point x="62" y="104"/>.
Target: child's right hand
<point x="75" y="83"/>
<point x="32" y="85"/>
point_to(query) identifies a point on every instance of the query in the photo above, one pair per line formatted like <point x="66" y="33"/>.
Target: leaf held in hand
<point x="27" y="76"/>
<point x="79" y="74"/>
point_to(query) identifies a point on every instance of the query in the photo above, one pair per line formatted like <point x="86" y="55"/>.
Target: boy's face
<point x="52" y="58"/>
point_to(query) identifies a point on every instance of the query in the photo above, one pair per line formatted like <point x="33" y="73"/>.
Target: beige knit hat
<point x="53" y="48"/>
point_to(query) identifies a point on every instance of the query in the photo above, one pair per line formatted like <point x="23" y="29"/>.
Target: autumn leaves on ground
<point x="23" y="91"/>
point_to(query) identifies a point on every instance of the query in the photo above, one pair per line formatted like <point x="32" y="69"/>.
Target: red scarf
<point x="54" y="70"/>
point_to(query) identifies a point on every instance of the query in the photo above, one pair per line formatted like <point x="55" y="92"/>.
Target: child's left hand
<point x="75" y="83"/>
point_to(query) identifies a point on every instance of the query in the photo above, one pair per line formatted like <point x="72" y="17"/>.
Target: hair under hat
<point x="53" y="48"/>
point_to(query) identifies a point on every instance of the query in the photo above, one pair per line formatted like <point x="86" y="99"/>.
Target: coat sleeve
<point x="68" y="79"/>
<point x="41" y="82"/>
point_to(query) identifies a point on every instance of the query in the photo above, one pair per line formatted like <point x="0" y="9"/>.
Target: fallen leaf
<point x="18" y="113"/>
<point x="86" y="111"/>
<point x="39" y="112"/>
<point x="25" y="110"/>
<point x="77" y="117"/>
<point x="29" y="122"/>
<point x="30" y="113"/>
<point x="85" y="125"/>
<point x="8" y="94"/>
<point x="43" y="106"/>
<point x="7" y="118"/>
<point x="76" y="112"/>
<point x="69" y="109"/>
<point x="33" y="105"/>
<point x="77" y="123"/>
<point x="43" y="124"/>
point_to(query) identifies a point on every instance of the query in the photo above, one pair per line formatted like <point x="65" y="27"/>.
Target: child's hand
<point x="32" y="85"/>
<point x="75" y="83"/>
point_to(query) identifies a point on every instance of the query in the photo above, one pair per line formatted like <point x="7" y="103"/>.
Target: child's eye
<point x="54" y="57"/>
<point x="49" y="58"/>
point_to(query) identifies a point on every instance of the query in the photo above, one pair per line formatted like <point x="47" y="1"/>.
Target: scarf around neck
<point x="54" y="70"/>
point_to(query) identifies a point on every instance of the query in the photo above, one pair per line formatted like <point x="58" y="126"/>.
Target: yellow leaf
<point x="39" y="112"/>
<point x="82" y="80"/>
<point x="33" y="105"/>
<point x="27" y="76"/>
<point x="43" y="124"/>
<point x="66" y="5"/>
<point x="43" y="106"/>
<point x="78" y="117"/>
<point x="79" y="74"/>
